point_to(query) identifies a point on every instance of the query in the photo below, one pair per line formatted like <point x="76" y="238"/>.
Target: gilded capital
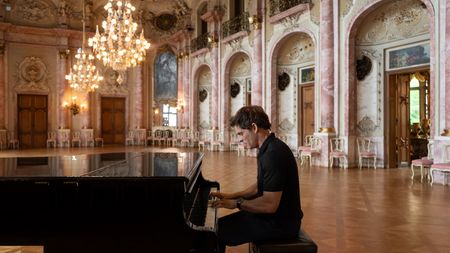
<point x="64" y="53"/>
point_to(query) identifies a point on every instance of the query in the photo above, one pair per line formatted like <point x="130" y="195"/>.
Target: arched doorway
<point x="389" y="42"/>
<point x="295" y="96"/>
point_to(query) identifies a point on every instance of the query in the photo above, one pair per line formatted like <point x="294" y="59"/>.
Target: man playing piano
<point x="269" y="209"/>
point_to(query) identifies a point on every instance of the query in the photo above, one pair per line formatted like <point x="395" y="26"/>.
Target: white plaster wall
<point x="204" y="82"/>
<point x="295" y="52"/>
<point x="240" y="72"/>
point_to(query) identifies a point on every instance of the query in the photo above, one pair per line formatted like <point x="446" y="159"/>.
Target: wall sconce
<point x="74" y="107"/>
<point x="64" y="53"/>
<point x="255" y="21"/>
<point x="180" y="106"/>
<point x="156" y="111"/>
<point x="213" y="39"/>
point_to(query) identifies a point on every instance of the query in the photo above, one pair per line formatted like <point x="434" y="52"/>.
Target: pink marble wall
<point x="326" y="64"/>
<point x="215" y="87"/>
<point x="447" y="65"/>
<point x="257" y="73"/>
<point x="60" y="90"/>
<point x="138" y="108"/>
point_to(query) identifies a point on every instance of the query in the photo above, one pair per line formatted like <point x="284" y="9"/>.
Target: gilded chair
<point x="424" y="163"/>
<point x="367" y="149"/>
<point x="87" y="138"/>
<point x="313" y="152"/>
<point x="337" y="151"/>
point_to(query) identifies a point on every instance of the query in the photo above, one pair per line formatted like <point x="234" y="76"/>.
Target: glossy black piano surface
<point x="114" y="202"/>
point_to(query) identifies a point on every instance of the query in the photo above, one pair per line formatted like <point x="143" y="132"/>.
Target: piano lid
<point x="130" y="164"/>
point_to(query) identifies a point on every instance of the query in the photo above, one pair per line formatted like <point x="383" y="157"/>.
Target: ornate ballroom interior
<point x="372" y="69"/>
<point x="346" y="84"/>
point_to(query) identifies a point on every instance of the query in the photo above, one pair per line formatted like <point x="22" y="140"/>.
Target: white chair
<point x="314" y="151"/>
<point x="367" y="149"/>
<point x="88" y="139"/>
<point x="217" y="140"/>
<point x="337" y="152"/>
<point x="306" y="145"/>
<point x="442" y="167"/>
<point x="424" y="163"/>
<point x="98" y="141"/>
<point x="76" y="140"/>
<point x="205" y="140"/>
<point x="149" y="138"/>
<point x="129" y="140"/>
<point x="51" y="139"/>
<point x="13" y="141"/>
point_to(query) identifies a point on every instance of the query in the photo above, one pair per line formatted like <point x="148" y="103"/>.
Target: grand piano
<point x="115" y="202"/>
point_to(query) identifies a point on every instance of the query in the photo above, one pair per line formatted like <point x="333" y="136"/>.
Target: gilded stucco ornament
<point x="32" y="75"/>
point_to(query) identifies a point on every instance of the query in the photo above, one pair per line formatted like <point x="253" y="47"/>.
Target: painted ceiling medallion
<point x="166" y="21"/>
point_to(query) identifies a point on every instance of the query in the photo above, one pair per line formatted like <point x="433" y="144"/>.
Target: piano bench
<point x="302" y="244"/>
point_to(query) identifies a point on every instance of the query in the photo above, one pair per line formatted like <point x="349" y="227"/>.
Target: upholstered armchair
<point x="306" y="145"/>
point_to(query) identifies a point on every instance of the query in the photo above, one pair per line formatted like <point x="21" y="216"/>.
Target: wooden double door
<point x="32" y="111"/>
<point x="113" y="120"/>
<point x="306" y="111"/>
<point x="399" y="101"/>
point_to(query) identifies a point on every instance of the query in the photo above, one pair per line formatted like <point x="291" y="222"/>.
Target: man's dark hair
<point x="248" y="115"/>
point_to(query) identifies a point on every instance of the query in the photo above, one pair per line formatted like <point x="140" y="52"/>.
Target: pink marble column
<point x="215" y="86"/>
<point x="61" y="86"/>
<point x="187" y="93"/>
<point x="447" y="67"/>
<point x="257" y="66"/>
<point x="137" y="107"/>
<point x="326" y="65"/>
<point x="2" y="86"/>
<point x="181" y="78"/>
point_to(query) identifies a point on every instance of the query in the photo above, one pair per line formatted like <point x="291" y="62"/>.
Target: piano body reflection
<point x="116" y="202"/>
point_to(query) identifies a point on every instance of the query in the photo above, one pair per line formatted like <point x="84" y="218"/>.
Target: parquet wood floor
<point x="347" y="211"/>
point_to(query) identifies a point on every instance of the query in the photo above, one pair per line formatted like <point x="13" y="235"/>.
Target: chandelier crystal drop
<point x="83" y="76"/>
<point x="118" y="46"/>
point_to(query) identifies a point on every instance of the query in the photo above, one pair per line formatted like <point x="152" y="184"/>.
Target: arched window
<point x="166" y="86"/>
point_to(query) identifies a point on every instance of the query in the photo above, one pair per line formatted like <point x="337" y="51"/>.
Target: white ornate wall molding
<point x="34" y="12"/>
<point x="345" y="6"/>
<point x="32" y="76"/>
<point x="286" y="125"/>
<point x="394" y="21"/>
<point x="111" y="86"/>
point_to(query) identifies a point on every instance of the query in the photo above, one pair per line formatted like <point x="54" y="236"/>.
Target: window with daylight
<point x="169" y="115"/>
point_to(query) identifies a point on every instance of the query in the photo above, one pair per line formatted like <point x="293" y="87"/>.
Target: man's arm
<point x="267" y="203"/>
<point x="248" y="193"/>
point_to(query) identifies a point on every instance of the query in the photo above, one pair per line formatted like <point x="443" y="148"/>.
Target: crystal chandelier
<point x="83" y="76"/>
<point x="119" y="47"/>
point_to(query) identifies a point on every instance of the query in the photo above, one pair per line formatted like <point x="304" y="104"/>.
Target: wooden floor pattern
<point x="349" y="211"/>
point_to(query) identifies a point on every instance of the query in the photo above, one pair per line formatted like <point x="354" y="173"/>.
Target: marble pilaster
<point x="447" y="67"/>
<point x="326" y="65"/>
<point x="137" y="107"/>
<point x="257" y="66"/>
<point x="61" y="87"/>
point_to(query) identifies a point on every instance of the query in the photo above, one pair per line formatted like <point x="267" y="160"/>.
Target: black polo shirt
<point x="277" y="171"/>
